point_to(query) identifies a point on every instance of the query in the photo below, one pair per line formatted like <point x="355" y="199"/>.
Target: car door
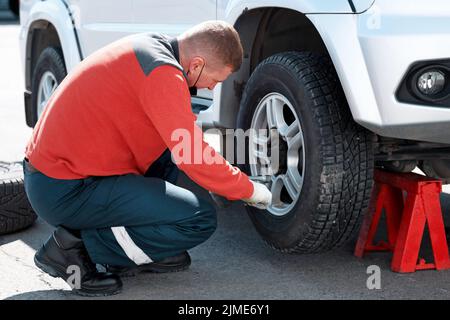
<point x="100" y="22"/>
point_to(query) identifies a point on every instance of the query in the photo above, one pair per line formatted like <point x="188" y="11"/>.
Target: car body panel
<point x="231" y="9"/>
<point x="368" y="52"/>
<point x="54" y="12"/>
<point x="371" y="50"/>
<point x="100" y="22"/>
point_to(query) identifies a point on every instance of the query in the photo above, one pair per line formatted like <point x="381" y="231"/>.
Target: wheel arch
<point x="49" y="24"/>
<point x="45" y="24"/>
<point x="42" y="34"/>
<point x="263" y="33"/>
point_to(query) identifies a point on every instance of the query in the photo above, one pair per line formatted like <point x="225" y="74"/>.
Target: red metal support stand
<point x="405" y="219"/>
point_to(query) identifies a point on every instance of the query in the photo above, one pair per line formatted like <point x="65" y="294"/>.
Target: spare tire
<point x="16" y="212"/>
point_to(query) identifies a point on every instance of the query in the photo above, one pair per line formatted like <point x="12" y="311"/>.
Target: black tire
<point x="51" y="59"/>
<point x="15" y="210"/>
<point x="338" y="154"/>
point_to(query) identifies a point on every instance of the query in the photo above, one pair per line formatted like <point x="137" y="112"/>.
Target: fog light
<point x="431" y="82"/>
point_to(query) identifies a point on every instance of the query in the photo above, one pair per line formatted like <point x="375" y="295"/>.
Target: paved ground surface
<point x="233" y="264"/>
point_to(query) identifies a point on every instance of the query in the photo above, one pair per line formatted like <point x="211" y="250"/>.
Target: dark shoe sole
<point x="86" y="293"/>
<point x="154" y="268"/>
<point x="82" y="292"/>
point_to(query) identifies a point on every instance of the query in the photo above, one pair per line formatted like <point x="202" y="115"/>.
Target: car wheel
<point x="49" y="73"/>
<point x="16" y="212"/>
<point x="322" y="183"/>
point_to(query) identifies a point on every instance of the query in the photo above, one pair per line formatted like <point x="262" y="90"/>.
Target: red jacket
<point x="115" y="114"/>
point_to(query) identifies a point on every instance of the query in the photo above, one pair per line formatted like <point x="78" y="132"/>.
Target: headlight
<point x="426" y="83"/>
<point x="431" y="82"/>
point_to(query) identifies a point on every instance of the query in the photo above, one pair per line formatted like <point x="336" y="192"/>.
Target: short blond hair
<point x="217" y="40"/>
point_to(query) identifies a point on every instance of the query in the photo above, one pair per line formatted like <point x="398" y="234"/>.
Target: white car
<point x="349" y="85"/>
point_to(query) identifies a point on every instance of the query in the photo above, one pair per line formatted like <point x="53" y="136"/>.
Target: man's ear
<point x="196" y="63"/>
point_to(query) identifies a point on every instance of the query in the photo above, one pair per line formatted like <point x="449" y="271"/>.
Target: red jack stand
<point x="405" y="220"/>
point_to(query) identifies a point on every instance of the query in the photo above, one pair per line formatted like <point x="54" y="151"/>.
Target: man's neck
<point x="181" y="50"/>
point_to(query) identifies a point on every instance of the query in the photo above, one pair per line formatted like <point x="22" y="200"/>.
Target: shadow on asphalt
<point x="33" y="236"/>
<point x="45" y="294"/>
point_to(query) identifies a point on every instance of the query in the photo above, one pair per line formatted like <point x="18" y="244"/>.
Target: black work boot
<point x="171" y="264"/>
<point x="64" y="254"/>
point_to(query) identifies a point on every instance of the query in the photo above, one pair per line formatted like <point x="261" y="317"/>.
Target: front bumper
<point x="372" y="53"/>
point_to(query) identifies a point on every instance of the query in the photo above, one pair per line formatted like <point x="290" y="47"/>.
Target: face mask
<point x="193" y="91"/>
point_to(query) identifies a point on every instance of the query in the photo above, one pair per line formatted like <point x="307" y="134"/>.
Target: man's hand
<point x="261" y="197"/>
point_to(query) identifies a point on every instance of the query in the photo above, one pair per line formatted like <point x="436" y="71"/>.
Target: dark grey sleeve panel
<point x="153" y="50"/>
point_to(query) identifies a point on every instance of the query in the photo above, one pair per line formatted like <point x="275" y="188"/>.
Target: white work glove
<point x="261" y="197"/>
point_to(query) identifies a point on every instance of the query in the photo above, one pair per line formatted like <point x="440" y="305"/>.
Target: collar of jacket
<point x="176" y="52"/>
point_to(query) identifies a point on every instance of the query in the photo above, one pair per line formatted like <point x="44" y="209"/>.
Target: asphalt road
<point x="233" y="264"/>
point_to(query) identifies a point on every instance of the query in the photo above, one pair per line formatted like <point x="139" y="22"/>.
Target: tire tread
<point x="347" y="157"/>
<point x="16" y="212"/>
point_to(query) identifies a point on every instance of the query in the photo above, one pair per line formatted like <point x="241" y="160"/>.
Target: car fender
<point x="235" y="8"/>
<point x="338" y="28"/>
<point x="56" y="13"/>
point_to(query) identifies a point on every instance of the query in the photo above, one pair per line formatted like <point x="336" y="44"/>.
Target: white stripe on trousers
<point x="131" y="249"/>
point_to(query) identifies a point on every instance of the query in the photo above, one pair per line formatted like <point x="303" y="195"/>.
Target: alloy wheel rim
<point x="47" y="85"/>
<point x="282" y="132"/>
